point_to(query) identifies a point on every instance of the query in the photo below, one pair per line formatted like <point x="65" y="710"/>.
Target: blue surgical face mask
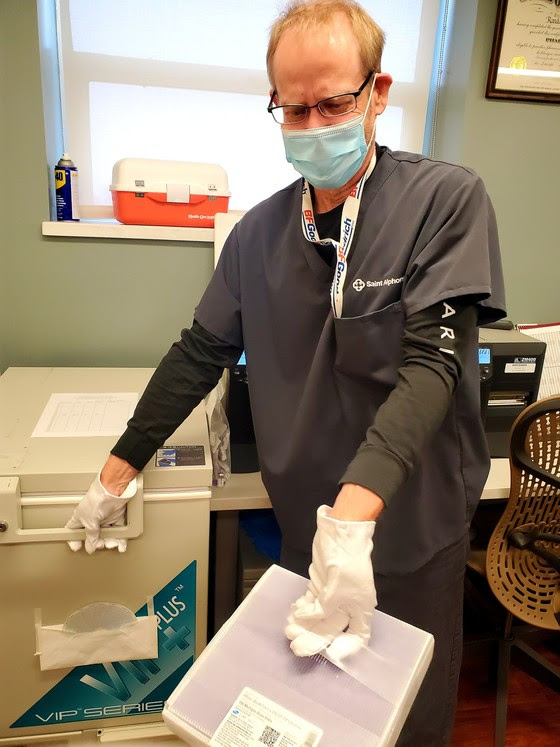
<point x="328" y="156"/>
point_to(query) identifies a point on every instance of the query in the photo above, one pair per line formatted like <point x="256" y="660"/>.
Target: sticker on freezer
<point x="83" y="414"/>
<point x="180" y="456"/>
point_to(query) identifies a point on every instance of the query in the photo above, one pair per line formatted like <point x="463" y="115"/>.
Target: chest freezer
<point x="57" y="426"/>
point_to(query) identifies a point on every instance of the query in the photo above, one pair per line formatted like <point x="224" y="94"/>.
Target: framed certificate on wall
<point x="525" y="59"/>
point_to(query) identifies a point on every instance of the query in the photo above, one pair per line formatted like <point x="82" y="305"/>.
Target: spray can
<point x="66" y="183"/>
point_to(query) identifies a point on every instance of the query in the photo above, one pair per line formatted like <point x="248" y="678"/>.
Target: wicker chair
<point x="523" y="555"/>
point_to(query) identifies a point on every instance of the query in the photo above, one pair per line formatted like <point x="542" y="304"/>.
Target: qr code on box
<point x="269" y="737"/>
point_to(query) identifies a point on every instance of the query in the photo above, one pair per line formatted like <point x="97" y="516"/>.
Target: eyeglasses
<point x="333" y="106"/>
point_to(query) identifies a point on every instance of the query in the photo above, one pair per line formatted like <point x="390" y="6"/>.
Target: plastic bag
<point x="218" y="426"/>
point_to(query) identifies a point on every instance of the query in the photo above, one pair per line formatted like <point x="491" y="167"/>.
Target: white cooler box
<point x="249" y="689"/>
<point x="149" y="192"/>
<point x="162" y="578"/>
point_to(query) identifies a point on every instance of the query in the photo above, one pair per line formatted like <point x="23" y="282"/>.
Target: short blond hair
<point x="303" y="15"/>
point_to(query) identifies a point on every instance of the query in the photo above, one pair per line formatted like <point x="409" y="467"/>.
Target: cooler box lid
<point x="177" y="179"/>
<point x="39" y="445"/>
<point x="363" y="703"/>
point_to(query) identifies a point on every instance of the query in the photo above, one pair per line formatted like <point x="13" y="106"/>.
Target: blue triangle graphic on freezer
<point x="128" y="688"/>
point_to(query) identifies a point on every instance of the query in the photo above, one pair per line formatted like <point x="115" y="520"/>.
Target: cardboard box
<point x="151" y="192"/>
<point x="248" y="685"/>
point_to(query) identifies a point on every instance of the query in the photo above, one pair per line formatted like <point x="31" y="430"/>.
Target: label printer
<point x="510" y="364"/>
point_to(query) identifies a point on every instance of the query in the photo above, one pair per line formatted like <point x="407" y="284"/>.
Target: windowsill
<point x="112" y="229"/>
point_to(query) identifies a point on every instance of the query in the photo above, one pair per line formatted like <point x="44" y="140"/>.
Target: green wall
<point x="121" y="303"/>
<point x="513" y="145"/>
<point x="75" y="302"/>
<point x="4" y="185"/>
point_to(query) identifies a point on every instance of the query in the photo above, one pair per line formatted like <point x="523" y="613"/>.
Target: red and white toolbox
<point x="150" y="192"/>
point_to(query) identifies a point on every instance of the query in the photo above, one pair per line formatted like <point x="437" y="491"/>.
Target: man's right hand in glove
<point x="334" y="615"/>
<point x="104" y="505"/>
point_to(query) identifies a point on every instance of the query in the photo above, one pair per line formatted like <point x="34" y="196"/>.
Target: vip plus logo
<point x="358" y="285"/>
<point x="128" y="688"/>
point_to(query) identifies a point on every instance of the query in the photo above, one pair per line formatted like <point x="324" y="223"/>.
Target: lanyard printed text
<point x="347" y="230"/>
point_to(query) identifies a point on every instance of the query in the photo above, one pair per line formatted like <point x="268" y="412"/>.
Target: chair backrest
<point x="526" y="583"/>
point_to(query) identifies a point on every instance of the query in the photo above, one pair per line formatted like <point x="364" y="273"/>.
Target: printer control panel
<point x="485" y="363"/>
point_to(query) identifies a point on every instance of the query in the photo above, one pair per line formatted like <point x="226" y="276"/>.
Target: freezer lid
<point x="67" y="464"/>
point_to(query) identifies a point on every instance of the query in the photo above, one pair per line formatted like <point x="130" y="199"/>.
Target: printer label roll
<point x="256" y="721"/>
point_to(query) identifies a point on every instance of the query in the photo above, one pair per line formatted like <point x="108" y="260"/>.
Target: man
<point x="364" y="388"/>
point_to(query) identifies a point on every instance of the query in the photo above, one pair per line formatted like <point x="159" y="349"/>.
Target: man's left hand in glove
<point x="104" y="505"/>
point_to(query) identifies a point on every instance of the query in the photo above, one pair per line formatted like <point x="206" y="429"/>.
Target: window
<point x="184" y="80"/>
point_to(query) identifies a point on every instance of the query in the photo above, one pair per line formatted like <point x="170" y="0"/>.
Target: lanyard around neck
<point x="347" y="229"/>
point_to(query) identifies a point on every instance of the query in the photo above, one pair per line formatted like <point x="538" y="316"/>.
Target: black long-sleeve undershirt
<point x="432" y="367"/>
<point x="403" y="424"/>
<point x="186" y="374"/>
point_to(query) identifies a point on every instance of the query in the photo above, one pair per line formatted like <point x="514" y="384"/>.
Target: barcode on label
<point x="269" y="737"/>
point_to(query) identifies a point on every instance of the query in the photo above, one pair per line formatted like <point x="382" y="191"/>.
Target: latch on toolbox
<point x="178" y="192"/>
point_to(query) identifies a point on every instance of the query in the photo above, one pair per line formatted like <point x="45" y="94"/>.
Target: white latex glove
<point x="99" y="508"/>
<point x="334" y="615"/>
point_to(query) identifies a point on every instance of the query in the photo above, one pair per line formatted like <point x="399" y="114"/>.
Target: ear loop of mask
<point x="372" y="138"/>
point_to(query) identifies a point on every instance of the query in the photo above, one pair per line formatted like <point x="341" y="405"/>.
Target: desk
<point x="497" y="484"/>
<point x="241" y="492"/>
<point x="246" y="491"/>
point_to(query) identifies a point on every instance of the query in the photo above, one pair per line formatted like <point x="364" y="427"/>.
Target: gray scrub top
<point x="426" y="232"/>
